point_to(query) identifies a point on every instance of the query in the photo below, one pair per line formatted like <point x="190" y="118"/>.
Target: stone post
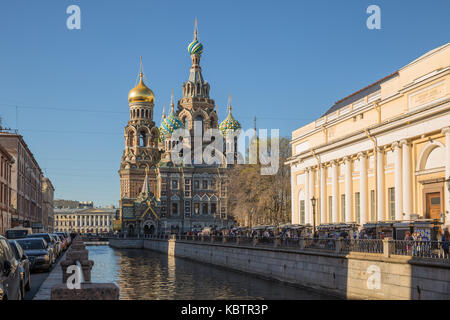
<point x="202" y="238"/>
<point x="301" y="243"/>
<point x="339" y="244"/>
<point x="238" y="239"/>
<point x="224" y="239"/>
<point x="87" y="291"/>
<point x="387" y="247"/>
<point x="277" y="242"/>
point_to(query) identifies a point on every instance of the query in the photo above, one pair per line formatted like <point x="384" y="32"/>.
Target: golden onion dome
<point x="141" y="93"/>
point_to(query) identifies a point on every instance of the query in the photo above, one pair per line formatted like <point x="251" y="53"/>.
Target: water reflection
<point x="149" y="275"/>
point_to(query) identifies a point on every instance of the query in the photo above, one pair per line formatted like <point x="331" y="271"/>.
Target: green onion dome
<point x="229" y="124"/>
<point x="170" y="124"/>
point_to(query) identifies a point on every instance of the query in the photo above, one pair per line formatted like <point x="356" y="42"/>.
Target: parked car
<point x="50" y="241"/>
<point x="24" y="265"/>
<point x="62" y="239"/>
<point x="58" y="243"/>
<point x="38" y="252"/>
<point x="9" y="273"/>
<point x="18" y="232"/>
<point x="66" y="239"/>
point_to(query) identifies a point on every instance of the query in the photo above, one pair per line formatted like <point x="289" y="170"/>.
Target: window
<point x="196" y="208"/>
<point x="330" y="209"/>
<point x="391" y="195"/>
<point x="174" y="184"/>
<point x="174" y="208"/>
<point x="357" y="207"/>
<point x="372" y="206"/>
<point x="205" y="184"/>
<point x="213" y="208"/>
<point x="196" y="184"/>
<point x="343" y="207"/>
<point x="142" y="139"/>
<point x="204" y="208"/>
<point x="302" y="211"/>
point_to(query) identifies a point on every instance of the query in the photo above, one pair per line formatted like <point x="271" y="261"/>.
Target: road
<point x="37" y="278"/>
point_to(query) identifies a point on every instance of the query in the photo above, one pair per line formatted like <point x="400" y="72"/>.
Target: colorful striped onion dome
<point x="195" y="47"/>
<point x="229" y="124"/>
<point x="171" y="123"/>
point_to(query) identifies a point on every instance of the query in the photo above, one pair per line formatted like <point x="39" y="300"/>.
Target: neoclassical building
<point x="380" y="154"/>
<point x="156" y="193"/>
<point x="81" y="220"/>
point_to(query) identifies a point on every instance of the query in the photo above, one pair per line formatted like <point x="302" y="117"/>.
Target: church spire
<point x="195" y="29"/>
<point x="171" y="103"/>
<point x="146" y="186"/>
<point x="196" y="86"/>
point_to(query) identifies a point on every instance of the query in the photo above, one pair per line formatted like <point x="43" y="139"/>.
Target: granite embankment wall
<point x="352" y="276"/>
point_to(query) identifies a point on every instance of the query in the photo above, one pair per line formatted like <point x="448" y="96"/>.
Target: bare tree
<point x="257" y="199"/>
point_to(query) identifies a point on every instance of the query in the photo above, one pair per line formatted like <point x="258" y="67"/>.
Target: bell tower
<point x="141" y="141"/>
<point x="196" y="105"/>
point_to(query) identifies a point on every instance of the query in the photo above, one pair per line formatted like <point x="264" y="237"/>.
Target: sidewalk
<point x="54" y="278"/>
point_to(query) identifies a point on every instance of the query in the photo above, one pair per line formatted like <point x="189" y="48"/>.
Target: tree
<point x="257" y="199"/>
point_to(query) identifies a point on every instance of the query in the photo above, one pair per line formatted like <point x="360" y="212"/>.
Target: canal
<point x="150" y="275"/>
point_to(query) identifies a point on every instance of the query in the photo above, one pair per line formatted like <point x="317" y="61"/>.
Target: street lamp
<point x="313" y="202"/>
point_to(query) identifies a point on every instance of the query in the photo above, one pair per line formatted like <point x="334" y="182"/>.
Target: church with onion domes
<point x="157" y="194"/>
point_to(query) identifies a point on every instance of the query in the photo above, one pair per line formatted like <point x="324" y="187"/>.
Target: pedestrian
<point x="446" y="243"/>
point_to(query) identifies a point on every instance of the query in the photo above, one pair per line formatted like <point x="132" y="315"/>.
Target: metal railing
<point x="362" y="245"/>
<point x="425" y="249"/>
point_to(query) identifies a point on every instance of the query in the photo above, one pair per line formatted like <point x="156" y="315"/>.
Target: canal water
<point x="150" y="275"/>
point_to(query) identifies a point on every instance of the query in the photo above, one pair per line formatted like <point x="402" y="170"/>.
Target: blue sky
<point x="284" y="61"/>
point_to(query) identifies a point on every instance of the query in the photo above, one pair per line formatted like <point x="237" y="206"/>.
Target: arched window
<point x="204" y="208"/>
<point x="146" y="113"/>
<point x="142" y="139"/>
<point x="130" y="139"/>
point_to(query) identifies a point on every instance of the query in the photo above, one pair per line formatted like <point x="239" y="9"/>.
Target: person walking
<point x="446" y="243"/>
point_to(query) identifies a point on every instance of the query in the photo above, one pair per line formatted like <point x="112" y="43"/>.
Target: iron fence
<point x="425" y="249"/>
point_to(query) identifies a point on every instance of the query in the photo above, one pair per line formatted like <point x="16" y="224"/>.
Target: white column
<point x="446" y="131"/>
<point x="294" y="199"/>
<point x="406" y="175"/>
<point x="380" y="184"/>
<point x="363" y="186"/>
<point x="398" y="181"/>
<point x="334" y="191"/>
<point x="323" y="193"/>
<point x="348" y="190"/>
<point x="307" y="197"/>
<point x="311" y="194"/>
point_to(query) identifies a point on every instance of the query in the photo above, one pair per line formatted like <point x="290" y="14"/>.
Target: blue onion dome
<point x="195" y="47"/>
<point x="230" y="124"/>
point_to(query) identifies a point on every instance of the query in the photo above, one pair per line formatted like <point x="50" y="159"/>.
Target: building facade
<point x="380" y="154"/>
<point x="6" y="209"/>
<point x="91" y="220"/>
<point x="186" y="196"/>
<point x="47" y="204"/>
<point x="26" y="183"/>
